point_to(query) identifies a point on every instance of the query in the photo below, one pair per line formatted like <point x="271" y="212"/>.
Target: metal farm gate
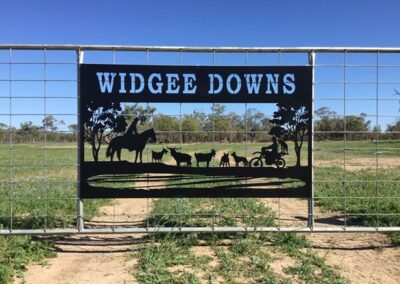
<point x="351" y="168"/>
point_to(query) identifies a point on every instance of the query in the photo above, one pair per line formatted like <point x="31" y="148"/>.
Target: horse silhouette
<point x="131" y="142"/>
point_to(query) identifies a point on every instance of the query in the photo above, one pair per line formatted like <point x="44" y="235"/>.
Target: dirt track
<point x="360" y="257"/>
<point x="96" y="258"/>
<point x="93" y="258"/>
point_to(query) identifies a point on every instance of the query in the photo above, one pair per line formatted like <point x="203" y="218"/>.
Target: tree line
<point x="28" y="132"/>
<point x="289" y="122"/>
<point x="330" y="126"/>
<point x="219" y="125"/>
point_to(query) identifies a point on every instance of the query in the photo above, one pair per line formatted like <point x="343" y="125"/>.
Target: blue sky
<point x="206" y="22"/>
<point x="202" y="23"/>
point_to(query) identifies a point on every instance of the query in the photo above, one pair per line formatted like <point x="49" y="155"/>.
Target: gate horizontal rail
<point x="200" y="230"/>
<point x="197" y="49"/>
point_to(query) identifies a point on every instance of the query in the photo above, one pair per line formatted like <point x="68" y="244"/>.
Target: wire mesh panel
<point x="355" y="144"/>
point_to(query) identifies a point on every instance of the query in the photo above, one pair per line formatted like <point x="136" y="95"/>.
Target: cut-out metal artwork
<point x="119" y="146"/>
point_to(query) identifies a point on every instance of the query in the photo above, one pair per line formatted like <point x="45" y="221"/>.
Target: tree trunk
<point x="95" y="153"/>
<point x="96" y="150"/>
<point x="297" y="149"/>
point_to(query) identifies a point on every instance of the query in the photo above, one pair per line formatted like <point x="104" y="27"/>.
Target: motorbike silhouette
<point x="269" y="159"/>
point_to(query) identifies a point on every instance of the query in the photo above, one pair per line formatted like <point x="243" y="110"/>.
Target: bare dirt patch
<point x="96" y="258"/>
<point x="358" y="164"/>
<point x="360" y="257"/>
<point x="279" y="263"/>
<point x="87" y="259"/>
<point x="290" y="212"/>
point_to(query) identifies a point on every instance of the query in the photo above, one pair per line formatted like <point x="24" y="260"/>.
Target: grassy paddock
<point x="38" y="189"/>
<point x="33" y="195"/>
<point x="44" y="180"/>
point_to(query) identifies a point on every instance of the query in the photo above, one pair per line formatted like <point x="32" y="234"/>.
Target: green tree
<point x="395" y="127"/>
<point x="377" y="129"/>
<point x="254" y="120"/>
<point x="200" y="117"/>
<point x="218" y="110"/>
<point x="331" y="126"/>
<point x="3" y="130"/>
<point x="393" y="130"/>
<point x="73" y="128"/>
<point x="327" y="124"/>
<point x="218" y="124"/>
<point x="167" y="128"/>
<point x="28" y="126"/>
<point x="266" y="124"/>
<point x="237" y="126"/>
<point x="50" y="123"/>
<point x="192" y="130"/>
<point x="27" y="132"/>
<point x="357" y="127"/>
<point x="145" y="113"/>
<point x="326" y="120"/>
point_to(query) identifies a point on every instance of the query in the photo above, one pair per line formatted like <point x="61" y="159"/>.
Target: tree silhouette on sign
<point x="102" y="122"/>
<point x="291" y="120"/>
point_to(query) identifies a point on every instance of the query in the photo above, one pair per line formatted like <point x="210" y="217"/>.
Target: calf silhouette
<point x="181" y="157"/>
<point x="239" y="159"/>
<point x="157" y="156"/>
<point x="204" y="157"/>
<point x="224" y="161"/>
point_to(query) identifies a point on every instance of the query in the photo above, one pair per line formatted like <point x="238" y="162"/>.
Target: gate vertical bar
<point x="79" y="205"/>
<point x="310" y="222"/>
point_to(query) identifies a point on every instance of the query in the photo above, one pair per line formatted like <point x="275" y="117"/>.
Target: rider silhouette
<point x="132" y="130"/>
<point x="132" y="133"/>
<point x="271" y="150"/>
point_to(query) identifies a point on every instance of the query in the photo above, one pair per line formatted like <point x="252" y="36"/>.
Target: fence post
<point x="310" y="219"/>
<point x="79" y="205"/>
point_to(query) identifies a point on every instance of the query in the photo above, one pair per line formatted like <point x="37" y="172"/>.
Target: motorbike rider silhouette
<point x="271" y="152"/>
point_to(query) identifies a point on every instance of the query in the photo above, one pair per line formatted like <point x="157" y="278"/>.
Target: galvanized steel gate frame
<point x="310" y="51"/>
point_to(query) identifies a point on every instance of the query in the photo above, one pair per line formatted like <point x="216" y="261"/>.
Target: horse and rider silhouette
<point x="131" y="140"/>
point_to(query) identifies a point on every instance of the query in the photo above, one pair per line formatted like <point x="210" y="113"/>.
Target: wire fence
<point x="355" y="150"/>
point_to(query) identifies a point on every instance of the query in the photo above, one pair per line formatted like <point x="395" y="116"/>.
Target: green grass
<point x="39" y="197"/>
<point x="324" y="150"/>
<point x="45" y="196"/>
<point x="38" y="186"/>
<point x="17" y="251"/>
<point x="237" y="258"/>
<point x="367" y="198"/>
<point x="241" y="149"/>
<point x="310" y="268"/>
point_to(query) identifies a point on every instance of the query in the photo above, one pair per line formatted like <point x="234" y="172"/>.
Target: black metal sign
<point x="128" y="153"/>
